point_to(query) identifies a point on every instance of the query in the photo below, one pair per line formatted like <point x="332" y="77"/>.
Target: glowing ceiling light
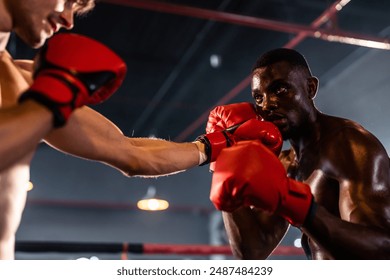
<point x="151" y="203"/>
<point x="215" y="60"/>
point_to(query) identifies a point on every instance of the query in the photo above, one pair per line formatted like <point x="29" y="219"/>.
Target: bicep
<point x="365" y="202"/>
<point x="364" y="183"/>
<point x="87" y="134"/>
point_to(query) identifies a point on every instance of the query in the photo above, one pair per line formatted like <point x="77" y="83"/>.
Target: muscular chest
<point x="324" y="188"/>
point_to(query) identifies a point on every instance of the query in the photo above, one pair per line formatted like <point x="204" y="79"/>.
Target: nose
<point x="269" y="104"/>
<point x="66" y="17"/>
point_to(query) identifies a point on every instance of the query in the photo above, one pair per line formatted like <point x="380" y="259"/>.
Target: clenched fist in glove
<point x="236" y="122"/>
<point x="225" y="116"/>
<point x="249" y="174"/>
<point x="71" y="71"/>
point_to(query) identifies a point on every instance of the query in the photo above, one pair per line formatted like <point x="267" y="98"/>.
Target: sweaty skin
<point x="346" y="167"/>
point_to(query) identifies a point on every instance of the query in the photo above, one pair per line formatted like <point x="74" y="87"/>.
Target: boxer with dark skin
<point x="344" y="166"/>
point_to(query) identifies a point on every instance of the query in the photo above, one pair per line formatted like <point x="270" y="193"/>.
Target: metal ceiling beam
<point x="334" y="35"/>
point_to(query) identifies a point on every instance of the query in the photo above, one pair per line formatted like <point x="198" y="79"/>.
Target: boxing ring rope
<point x="139" y="248"/>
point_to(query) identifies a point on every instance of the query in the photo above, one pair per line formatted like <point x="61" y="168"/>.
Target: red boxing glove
<point x="223" y="117"/>
<point x="71" y="71"/>
<point x="236" y="122"/>
<point x="248" y="174"/>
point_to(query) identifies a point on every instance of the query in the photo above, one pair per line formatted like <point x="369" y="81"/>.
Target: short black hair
<point x="293" y="57"/>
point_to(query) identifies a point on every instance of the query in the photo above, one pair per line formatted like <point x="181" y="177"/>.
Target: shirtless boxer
<point x="334" y="185"/>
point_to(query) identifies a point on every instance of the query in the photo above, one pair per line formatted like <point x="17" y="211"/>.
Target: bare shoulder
<point x="351" y="154"/>
<point x="339" y="133"/>
<point x="351" y="149"/>
<point x="360" y="163"/>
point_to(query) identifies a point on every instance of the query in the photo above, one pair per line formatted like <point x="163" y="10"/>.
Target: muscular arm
<point x="91" y="136"/>
<point x="21" y="126"/>
<point x="363" y="229"/>
<point x="253" y="234"/>
<point x="348" y="240"/>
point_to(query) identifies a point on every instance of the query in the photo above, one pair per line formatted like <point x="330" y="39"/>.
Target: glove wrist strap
<point x="214" y="143"/>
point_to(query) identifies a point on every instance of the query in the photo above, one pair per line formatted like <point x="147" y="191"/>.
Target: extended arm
<point x="90" y="135"/>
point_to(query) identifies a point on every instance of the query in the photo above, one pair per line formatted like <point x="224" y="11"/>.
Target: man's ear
<point x="312" y="86"/>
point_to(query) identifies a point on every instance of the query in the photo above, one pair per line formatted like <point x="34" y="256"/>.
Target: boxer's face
<point x="37" y="20"/>
<point x="280" y="94"/>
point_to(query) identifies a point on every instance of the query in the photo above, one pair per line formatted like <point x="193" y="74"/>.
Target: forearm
<point x="346" y="240"/>
<point x="21" y="129"/>
<point x="150" y="157"/>
<point x="90" y="135"/>
<point x="253" y="234"/>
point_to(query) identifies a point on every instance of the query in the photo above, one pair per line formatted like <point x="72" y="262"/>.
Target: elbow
<point x="249" y="253"/>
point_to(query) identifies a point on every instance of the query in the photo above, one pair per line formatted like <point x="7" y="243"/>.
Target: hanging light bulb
<point x="151" y="202"/>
